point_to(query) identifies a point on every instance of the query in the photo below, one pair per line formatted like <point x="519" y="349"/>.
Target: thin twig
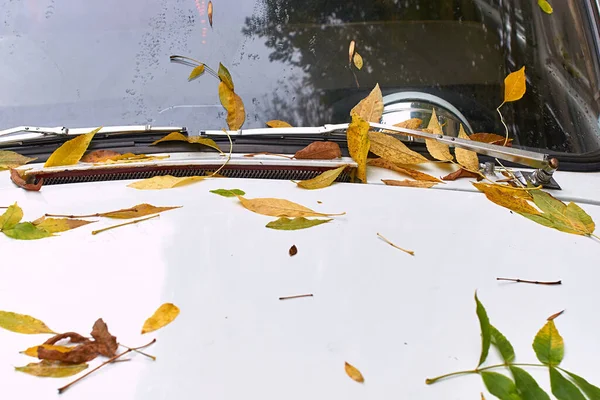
<point x="139" y="352"/>
<point x="298" y="296"/>
<point x="126" y="223"/>
<point x="228" y="156"/>
<point x="532" y="282"/>
<point x="132" y="209"/>
<point x="503" y="123"/>
<point x="110" y="360"/>
<point x="412" y="253"/>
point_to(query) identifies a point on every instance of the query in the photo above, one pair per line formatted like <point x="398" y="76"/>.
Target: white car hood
<point x="398" y="319"/>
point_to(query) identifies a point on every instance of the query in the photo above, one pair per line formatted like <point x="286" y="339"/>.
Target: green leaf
<point x="26" y="231"/>
<point x="503" y="345"/>
<point x="527" y="386"/>
<point x="48" y="369"/>
<point x="11" y="217"/>
<point x="196" y="72"/>
<point x="228" y="192"/>
<point x="562" y="388"/>
<point x="21" y="323"/>
<point x="225" y="76"/>
<point x="549" y="345"/>
<point x="545" y="6"/>
<point x="591" y="391"/>
<point x="500" y="386"/>
<point x="287" y="224"/>
<point x="486" y="336"/>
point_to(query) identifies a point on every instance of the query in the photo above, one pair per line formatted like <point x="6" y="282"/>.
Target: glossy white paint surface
<point x="399" y="319"/>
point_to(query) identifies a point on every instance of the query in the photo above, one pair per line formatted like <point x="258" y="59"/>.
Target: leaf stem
<point x="526" y="281"/>
<point x="126" y="223"/>
<point x="110" y="360"/>
<point x="503" y="123"/>
<point x="298" y="296"/>
<point x="134" y="209"/>
<point x="177" y="58"/>
<point x="153" y="358"/>
<point x="412" y="253"/>
<point x="228" y="156"/>
<point x="430" y="381"/>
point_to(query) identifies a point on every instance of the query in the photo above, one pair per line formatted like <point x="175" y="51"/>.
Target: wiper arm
<point x="28" y="133"/>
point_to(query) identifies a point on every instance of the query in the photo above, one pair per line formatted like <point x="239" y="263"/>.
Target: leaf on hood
<point x="357" y="136"/>
<point x="438" y="150"/>
<point x="279" y="208"/>
<point x="548" y="345"/>
<point x="10" y="159"/>
<point x="462" y="173"/>
<point x="287" y="224"/>
<point x="353" y="373"/>
<point x="176" y="136"/>
<point x="26" y="231"/>
<point x="210" y="13"/>
<point x="545" y="6"/>
<point x="71" y="151"/>
<point x="196" y="72"/>
<point x="106" y="344"/>
<point x="21" y="323"/>
<point x="275" y="123"/>
<point x="164" y="315"/>
<point x="351" y="49"/>
<point x="323" y="180"/>
<point x="466" y="158"/>
<point x="407" y="183"/>
<point x="293" y="251"/>
<point x="508" y="197"/>
<point x="358" y="60"/>
<point x="319" y="151"/>
<point x="236" y="114"/>
<point x="225" y="77"/>
<point x="418" y="175"/>
<point x="228" y="192"/>
<point x="48" y="369"/>
<point x="515" y="86"/>
<point x="392" y="149"/>
<point x="141" y="210"/>
<point x="56" y="225"/>
<point x="164" y="182"/>
<point x="491" y="138"/>
<point x="21" y="182"/>
<point x="33" y="351"/>
<point x="11" y="217"/>
<point x="370" y="108"/>
<point x="99" y="156"/>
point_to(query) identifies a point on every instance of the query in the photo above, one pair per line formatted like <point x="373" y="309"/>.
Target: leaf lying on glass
<point x="319" y="151"/>
<point x="176" y="136"/>
<point x="70" y="152"/>
<point x="323" y="180"/>
<point x="10" y="159"/>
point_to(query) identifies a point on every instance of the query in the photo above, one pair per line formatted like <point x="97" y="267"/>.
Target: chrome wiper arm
<point x="27" y="133"/>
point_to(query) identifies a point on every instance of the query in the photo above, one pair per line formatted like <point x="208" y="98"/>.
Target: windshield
<point x="92" y="63"/>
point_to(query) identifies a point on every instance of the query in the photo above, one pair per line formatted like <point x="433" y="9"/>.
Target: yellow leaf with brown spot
<point x="10" y="159"/>
<point x="236" y="114"/>
<point x="407" y="183"/>
<point x="49" y="369"/>
<point x="466" y="158"/>
<point x="438" y="150"/>
<point x="21" y="323"/>
<point x="358" y="60"/>
<point x="33" y="351"/>
<point x="275" y="123"/>
<point x="323" y="180"/>
<point x="56" y="225"/>
<point x="164" y="182"/>
<point x="164" y="315"/>
<point x="370" y="108"/>
<point x="71" y="151"/>
<point x="359" y="144"/>
<point x="176" y="136"/>
<point x="392" y="149"/>
<point x="508" y="197"/>
<point x="515" y="86"/>
<point x="279" y="208"/>
<point x="141" y="210"/>
<point x="353" y="373"/>
<point x="418" y="175"/>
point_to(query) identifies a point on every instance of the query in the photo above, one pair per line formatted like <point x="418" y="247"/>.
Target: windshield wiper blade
<point x="24" y="134"/>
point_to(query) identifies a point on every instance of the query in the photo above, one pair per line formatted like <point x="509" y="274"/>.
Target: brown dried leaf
<point x="293" y="251"/>
<point x="407" y="183"/>
<point x="275" y="123"/>
<point x="357" y="136"/>
<point x="18" y="180"/>
<point x="371" y="107"/>
<point x="33" y="351"/>
<point x="353" y="373"/>
<point x="418" y="175"/>
<point x="466" y="158"/>
<point x="394" y="150"/>
<point x="438" y="150"/>
<point x="351" y="49"/>
<point x="490" y="138"/>
<point x="462" y="173"/>
<point x="210" y="13"/>
<point x="72" y="336"/>
<point x="319" y="151"/>
<point x="99" y="156"/>
<point x="106" y="343"/>
<point x="79" y="354"/>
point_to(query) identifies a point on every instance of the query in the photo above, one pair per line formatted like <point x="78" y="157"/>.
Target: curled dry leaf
<point x="210" y="13"/>
<point x="11" y="217"/>
<point x="99" y="156"/>
<point x="515" y="86"/>
<point x="48" y="369"/>
<point x="71" y="151"/>
<point x="228" y="192"/>
<point x="393" y="150"/>
<point x="275" y="123"/>
<point x="491" y="138"/>
<point x="33" y="351"/>
<point x="370" y="108"/>
<point x="359" y="144"/>
<point x="279" y="208"/>
<point x="358" y="60"/>
<point x="319" y="151"/>
<point x="287" y="224"/>
<point x="56" y="225"/>
<point x="164" y="182"/>
<point x="106" y="344"/>
<point x="323" y="180"/>
<point x="351" y="50"/>
<point x="466" y="158"/>
<point x="10" y="159"/>
<point x="196" y="72"/>
<point x="462" y="173"/>
<point x="353" y="373"/>
<point x="164" y="315"/>
<point x="545" y="6"/>
<point x="418" y="175"/>
<point x="407" y="183"/>
<point x="236" y="114"/>
<point x="438" y="150"/>
<point x="21" y="323"/>
<point x="72" y="336"/>
<point x="21" y="182"/>
<point x="293" y="251"/>
<point x="176" y="136"/>
<point x="77" y="355"/>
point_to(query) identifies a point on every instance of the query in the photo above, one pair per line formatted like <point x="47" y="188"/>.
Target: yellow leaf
<point x="323" y="180"/>
<point x="545" y="6"/>
<point x="210" y="13"/>
<point x="55" y="225"/>
<point x="515" y="86"/>
<point x="279" y="208"/>
<point x="164" y="315"/>
<point x="394" y="150"/>
<point x="413" y="123"/>
<point x="275" y="123"/>
<point x="358" y="60"/>
<point x="225" y="77"/>
<point x="351" y="50"/>
<point x="196" y="72"/>
<point x="353" y="373"/>
<point x="466" y="158"/>
<point x="508" y="197"/>
<point x="407" y="183"/>
<point x="21" y="323"/>
<point x="371" y="107"/>
<point x="418" y="175"/>
<point x="97" y="156"/>
<point x="236" y="114"/>
<point x="33" y="351"/>
<point x="176" y="136"/>
<point x="438" y="150"/>
<point x="548" y="345"/>
<point x="164" y="182"/>
<point x="359" y="144"/>
<point x="141" y="210"/>
<point x="48" y="369"/>
<point x="11" y="217"/>
<point x="71" y="151"/>
<point x="10" y="159"/>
